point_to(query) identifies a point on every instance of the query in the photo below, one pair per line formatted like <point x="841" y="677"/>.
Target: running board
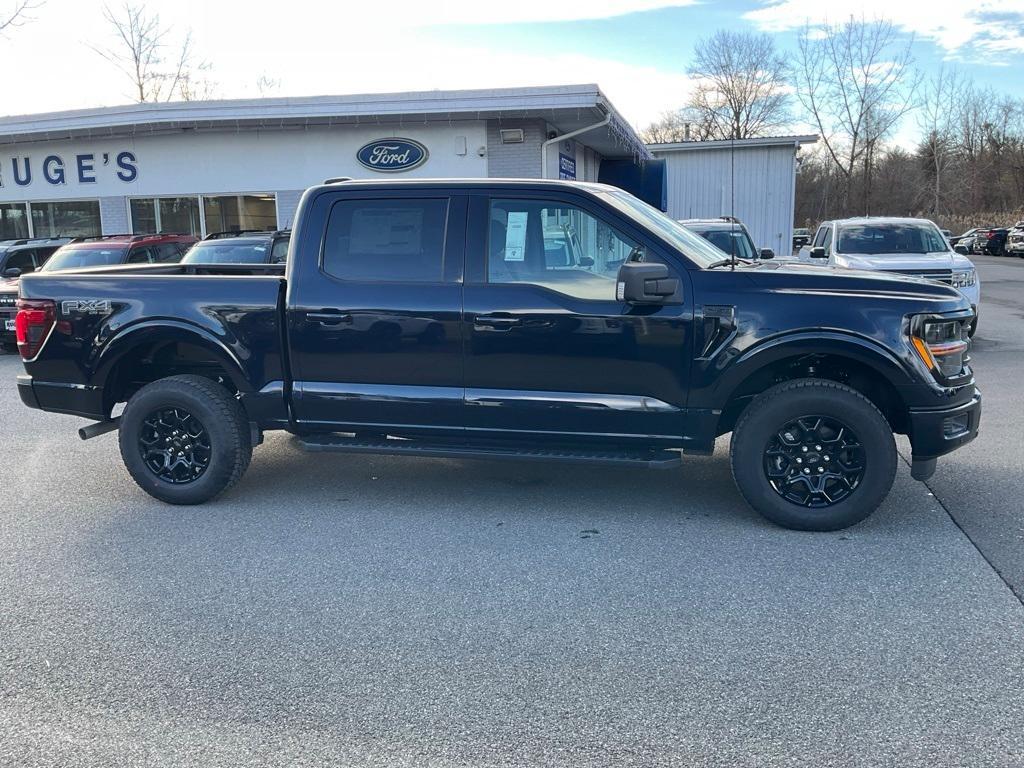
<point x="649" y="459"/>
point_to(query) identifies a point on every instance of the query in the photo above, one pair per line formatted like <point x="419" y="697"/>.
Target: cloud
<point x="962" y="30"/>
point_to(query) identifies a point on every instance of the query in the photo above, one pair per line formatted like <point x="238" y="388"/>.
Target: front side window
<point x="72" y="218"/>
<point x="395" y="240"/>
<point x="556" y="246"/>
<point x="23" y="260"/>
<point x="890" y="238"/>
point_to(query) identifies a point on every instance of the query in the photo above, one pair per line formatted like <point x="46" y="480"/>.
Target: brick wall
<point x="514" y="161"/>
<point x="114" y="215"/>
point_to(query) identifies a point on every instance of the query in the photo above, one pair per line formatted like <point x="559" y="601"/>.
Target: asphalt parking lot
<point x="335" y="610"/>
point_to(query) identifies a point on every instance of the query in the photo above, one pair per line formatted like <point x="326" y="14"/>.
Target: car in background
<point x="245" y="246"/>
<point x="729" y="235"/>
<point x="991" y="242"/>
<point x="801" y="237"/>
<point x="946" y="233"/>
<point x="967" y="238"/>
<point x="1015" y="240"/>
<point x="17" y="258"/>
<point x="912" y="247"/>
<point x="111" y="250"/>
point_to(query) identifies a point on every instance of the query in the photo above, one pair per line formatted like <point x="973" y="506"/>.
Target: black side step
<point x="650" y="459"/>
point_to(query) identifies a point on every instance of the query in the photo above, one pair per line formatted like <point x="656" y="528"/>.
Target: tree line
<point x="856" y="83"/>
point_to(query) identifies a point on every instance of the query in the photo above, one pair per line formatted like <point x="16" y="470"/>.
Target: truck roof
<point x="473" y="182"/>
<point x="882" y="220"/>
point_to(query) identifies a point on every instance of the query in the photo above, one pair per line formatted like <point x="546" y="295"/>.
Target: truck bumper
<point x="73" y="399"/>
<point x="935" y="432"/>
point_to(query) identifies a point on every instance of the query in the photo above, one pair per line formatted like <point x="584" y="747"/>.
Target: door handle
<point x="329" y="318"/>
<point x="495" y="322"/>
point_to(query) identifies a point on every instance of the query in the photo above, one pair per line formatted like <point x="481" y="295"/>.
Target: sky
<point x="636" y="50"/>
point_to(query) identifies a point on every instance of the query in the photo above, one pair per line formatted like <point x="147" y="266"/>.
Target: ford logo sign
<point x="392" y="155"/>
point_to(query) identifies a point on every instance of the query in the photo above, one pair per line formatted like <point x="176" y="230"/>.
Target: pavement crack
<point x="935" y="494"/>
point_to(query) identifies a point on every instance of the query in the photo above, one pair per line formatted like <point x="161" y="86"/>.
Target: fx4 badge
<point x="86" y="307"/>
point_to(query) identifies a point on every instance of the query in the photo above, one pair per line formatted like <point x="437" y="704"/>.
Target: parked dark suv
<point x="17" y="258"/>
<point x="241" y="247"/>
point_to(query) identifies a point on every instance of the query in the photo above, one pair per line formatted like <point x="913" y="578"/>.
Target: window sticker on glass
<point x="515" y="236"/>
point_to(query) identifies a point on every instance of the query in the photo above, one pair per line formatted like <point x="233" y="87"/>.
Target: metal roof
<point x="760" y="141"/>
<point x="567" y="107"/>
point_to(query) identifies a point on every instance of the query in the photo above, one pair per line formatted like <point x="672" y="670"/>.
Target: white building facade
<point x="202" y="167"/>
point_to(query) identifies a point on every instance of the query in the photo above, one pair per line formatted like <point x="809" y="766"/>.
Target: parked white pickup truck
<point x="907" y="246"/>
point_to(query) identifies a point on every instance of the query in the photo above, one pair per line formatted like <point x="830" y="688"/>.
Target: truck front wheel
<point x="184" y="439"/>
<point x="813" y="455"/>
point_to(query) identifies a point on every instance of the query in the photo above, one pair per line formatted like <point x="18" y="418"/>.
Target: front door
<point x="550" y="353"/>
<point x="375" y="324"/>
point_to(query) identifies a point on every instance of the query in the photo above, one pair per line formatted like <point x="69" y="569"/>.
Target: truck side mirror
<point x="818" y="252"/>
<point x="767" y="253"/>
<point x="640" y="282"/>
<point x="961" y="249"/>
<point x="12" y="272"/>
<point x="586" y="261"/>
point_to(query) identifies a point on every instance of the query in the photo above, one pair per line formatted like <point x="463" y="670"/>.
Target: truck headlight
<point x="941" y="344"/>
<point x="964" y="279"/>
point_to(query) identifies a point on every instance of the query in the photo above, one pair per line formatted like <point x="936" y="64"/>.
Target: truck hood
<point x="8" y="285"/>
<point x="904" y="261"/>
<point x="839" y="281"/>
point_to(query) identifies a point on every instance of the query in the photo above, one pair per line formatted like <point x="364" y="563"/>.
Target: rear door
<point x="374" y="307"/>
<point x="551" y="354"/>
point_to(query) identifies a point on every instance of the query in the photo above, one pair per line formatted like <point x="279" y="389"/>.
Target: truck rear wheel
<point x="813" y="455"/>
<point x="184" y="439"/>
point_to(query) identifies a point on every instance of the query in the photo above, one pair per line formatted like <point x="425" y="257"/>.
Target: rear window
<point x="227" y="252"/>
<point x="75" y="257"/>
<point x="727" y="241"/>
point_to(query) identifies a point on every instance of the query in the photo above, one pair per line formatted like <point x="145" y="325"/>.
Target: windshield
<point x="727" y="240"/>
<point x="892" y="239"/>
<point x="227" y="252"/>
<point x="694" y="247"/>
<point x="72" y="257"/>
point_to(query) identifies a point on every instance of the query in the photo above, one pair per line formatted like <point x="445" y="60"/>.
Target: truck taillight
<point x="33" y="324"/>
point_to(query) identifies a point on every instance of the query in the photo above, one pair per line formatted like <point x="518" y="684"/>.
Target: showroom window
<point x="66" y="218"/>
<point x="13" y="221"/>
<point x="230" y="213"/>
<point x="178" y="215"/>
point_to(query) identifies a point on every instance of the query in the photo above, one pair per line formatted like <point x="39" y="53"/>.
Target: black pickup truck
<point x="428" y="318"/>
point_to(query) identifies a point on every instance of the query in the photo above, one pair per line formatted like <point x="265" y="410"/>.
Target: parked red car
<point x="108" y="250"/>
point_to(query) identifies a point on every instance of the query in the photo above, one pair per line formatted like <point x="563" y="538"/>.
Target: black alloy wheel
<point x="175" y="445"/>
<point x="814" y="461"/>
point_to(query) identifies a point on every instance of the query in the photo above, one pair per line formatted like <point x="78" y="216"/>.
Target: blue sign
<point x="566" y="167"/>
<point x="392" y="155"/>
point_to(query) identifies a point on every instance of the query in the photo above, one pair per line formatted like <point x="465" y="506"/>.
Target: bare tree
<point x="856" y="81"/>
<point x="937" y="122"/>
<point x="266" y="85"/>
<point x="741" y="86"/>
<point x="18" y="14"/>
<point x="140" y="53"/>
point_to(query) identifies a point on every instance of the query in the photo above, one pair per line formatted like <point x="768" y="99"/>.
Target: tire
<point x="760" y="445"/>
<point x="214" y="441"/>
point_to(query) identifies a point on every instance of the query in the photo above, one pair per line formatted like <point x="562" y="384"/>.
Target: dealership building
<point x="201" y="167"/>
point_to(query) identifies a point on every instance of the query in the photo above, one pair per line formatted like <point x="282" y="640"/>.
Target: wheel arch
<point x="153" y="350"/>
<point x="861" y="363"/>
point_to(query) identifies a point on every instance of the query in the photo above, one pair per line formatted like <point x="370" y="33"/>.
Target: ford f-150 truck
<point x="424" y="318"/>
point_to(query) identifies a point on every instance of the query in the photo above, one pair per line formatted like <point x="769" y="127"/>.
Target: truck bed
<point x="110" y="320"/>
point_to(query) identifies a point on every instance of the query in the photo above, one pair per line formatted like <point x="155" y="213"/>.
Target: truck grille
<point x="8" y="299"/>
<point x="941" y="275"/>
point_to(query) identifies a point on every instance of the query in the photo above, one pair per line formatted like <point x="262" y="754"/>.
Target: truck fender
<point x="151" y="333"/>
<point x="836" y="343"/>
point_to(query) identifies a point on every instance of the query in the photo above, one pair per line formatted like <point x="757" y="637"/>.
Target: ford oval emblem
<point x="392" y="155"/>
